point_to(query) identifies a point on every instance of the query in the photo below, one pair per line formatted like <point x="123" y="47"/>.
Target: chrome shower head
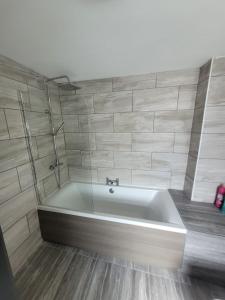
<point x="68" y="86"/>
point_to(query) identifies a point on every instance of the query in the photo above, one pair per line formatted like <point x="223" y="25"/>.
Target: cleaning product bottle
<point x="223" y="206"/>
<point x="219" y="199"/>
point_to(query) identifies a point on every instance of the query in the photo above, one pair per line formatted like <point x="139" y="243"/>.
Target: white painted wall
<point x="102" y="38"/>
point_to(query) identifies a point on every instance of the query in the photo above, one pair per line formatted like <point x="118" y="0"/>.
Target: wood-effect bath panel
<point x="131" y="242"/>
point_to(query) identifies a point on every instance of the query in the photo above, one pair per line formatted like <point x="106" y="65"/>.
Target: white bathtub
<point x="126" y="204"/>
<point x="112" y="217"/>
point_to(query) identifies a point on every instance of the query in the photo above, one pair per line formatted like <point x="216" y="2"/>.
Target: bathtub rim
<point x="178" y="228"/>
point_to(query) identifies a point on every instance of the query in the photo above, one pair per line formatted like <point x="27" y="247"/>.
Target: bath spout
<point x="112" y="181"/>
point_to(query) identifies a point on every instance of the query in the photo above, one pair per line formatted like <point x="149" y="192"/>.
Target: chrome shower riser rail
<point x="28" y="139"/>
<point x="58" y="178"/>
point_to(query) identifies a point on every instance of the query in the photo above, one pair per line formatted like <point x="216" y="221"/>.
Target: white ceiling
<point x="89" y="39"/>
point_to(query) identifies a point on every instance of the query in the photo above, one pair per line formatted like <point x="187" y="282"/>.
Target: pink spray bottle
<point x="220" y="192"/>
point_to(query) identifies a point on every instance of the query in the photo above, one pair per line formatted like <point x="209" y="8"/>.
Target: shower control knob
<point x="111" y="191"/>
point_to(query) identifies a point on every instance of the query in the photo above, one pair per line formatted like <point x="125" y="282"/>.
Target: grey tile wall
<point x="113" y="141"/>
<point x="134" y="122"/>
<point x="201" y="95"/>
<point x="113" y="102"/>
<point x="77" y="104"/>
<point x="209" y="171"/>
<point x="135" y="127"/>
<point x="205" y="169"/>
<point x="96" y="123"/>
<point x="18" y="201"/>
<point x="16" y="235"/>
<point x="9" y="185"/>
<point x="4" y="134"/>
<point x="155" y="99"/>
<point x="173" y="121"/>
<point x="134" y="82"/>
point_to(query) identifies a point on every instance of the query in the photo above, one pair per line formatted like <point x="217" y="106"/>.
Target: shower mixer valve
<point x="112" y="181"/>
<point x="55" y="164"/>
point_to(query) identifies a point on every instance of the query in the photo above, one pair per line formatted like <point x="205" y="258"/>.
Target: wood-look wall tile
<point x="177" y="181"/>
<point x="9" y="93"/>
<point x="37" y="82"/>
<point x="214" y="119"/>
<point x="13" y="153"/>
<point x="134" y="82"/>
<point x="212" y="146"/>
<point x="151" y="179"/>
<point x="113" y="102"/>
<point x="50" y="184"/>
<point x="216" y="95"/>
<point x="179" y="77"/>
<point x="94" y="86"/>
<point x="133" y="122"/>
<point x="42" y="166"/>
<point x="60" y="144"/>
<point x="83" y="174"/>
<point x="25" y="176"/>
<point x="155" y="99"/>
<point x="33" y="221"/>
<point x="71" y="123"/>
<point x="191" y="166"/>
<point x="113" y="141"/>
<point x="8" y="73"/>
<point x="124" y="175"/>
<point x="132" y="160"/>
<point x="218" y="66"/>
<point x="204" y="191"/>
<point x="17" y="207"/>
<point x="187" y="97"/>
<point x="97" y="159"/>
<point x="194" y="144"/>
<point x="80" y="141"/>
<point x="188" y="187"/>
<point x="64" y="173"/>
<point x="153" y="142"/>
<point x="96" y="123"/>
<point x="205" y="71"/>
<point x="182" y="142"/>
<point x="77" y="104"/>
<point x="3" y="126"/>
<point x="73" y="158"/>
<point x="20" y="256"/>
<point x="44" y="145"/>
<point x="38" y="99"/>
<point x="55" y="103"/>
<point x="9" y="185"/>
<point x="173" y="121"/>
<point x="41" y="192"/>
<point x="39" y="123"/>
<point x="212" y="170"/>
<point x="201" y="94"/>
<point x="15" y="123"/>
<point x="169" y="162"/>
<point x="17" y="68"/>
<point x="16" y="235"/>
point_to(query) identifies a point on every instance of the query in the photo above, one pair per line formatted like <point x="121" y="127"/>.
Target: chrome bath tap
<point x="112" y="181"/>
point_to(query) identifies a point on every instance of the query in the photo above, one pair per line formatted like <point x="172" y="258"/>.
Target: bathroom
<point x="112" y="143"/>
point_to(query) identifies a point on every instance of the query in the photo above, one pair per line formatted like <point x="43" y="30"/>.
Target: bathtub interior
<point x="128" y="202"/>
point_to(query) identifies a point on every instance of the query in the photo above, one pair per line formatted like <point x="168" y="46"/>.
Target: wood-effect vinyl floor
<point x="58" y="272"/>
